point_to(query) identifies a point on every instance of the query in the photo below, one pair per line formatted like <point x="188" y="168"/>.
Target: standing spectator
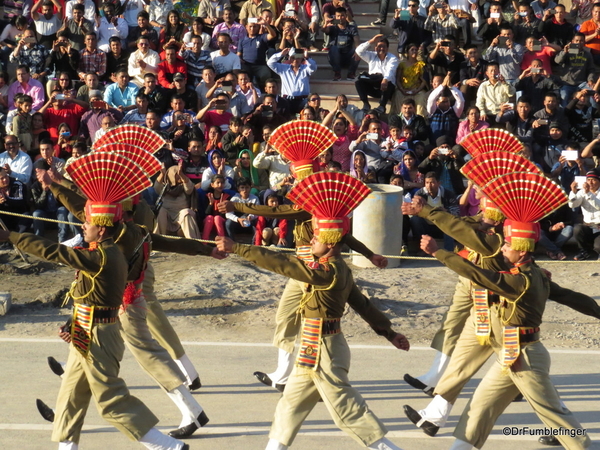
<point x="555" y="26"/>
<point x="534" y="82"/>
<point x="158" y="10"/>
<point x="144" y="29"/>
<point x="491" y="27"/>
<point x="586" y="233"/>
<point x="15" y="162"/>
<point x="444" y="116"/>
<point x="253" y="8"/>
<point x="343" y="40"/>
<point x="31" y="54"/>
<point x="591" y="30"/>
<point x="411" y="28"/>
<point x="441" y="21"/>
<point x="519" y="120"/>
<point x="577" y="64"/>
<point x="169" y="67"/>
<point x="116" y="59"/>
<point x="252" y="51"/>
<point x="379" y="82"/>
<point x="25" y="84"/>
<point x="144" y="60"/>
<point x="110" y="25"/>
<point x="346" y="131"/>
<point x="90" y="58"/>
<point x="13" y="198"/>
<point x="121" y="94"/>
<point x="236" y="31"/>
<point x="46" y="25"/>
<point x="57" y="111"/>
<point x="492" y="93"/>
<point x="295" y="77"/>
<point x="446" y="58"/>
<point x="526" y="24"/>
<point x="195" y="58"/>
<point x="224" y="60"/>
<point x="508" y="55"/>
<point x="77" y="26"/>
<point x="472" y="74"/>
<point x="22" y="121"/>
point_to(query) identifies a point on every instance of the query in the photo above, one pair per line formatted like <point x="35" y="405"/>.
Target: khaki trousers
<point x="330" y="382"/>
<point x="530" y="375"/>
<point x="287" y="322"/>
<point x="153" y="358"/>
<point x="454" y="320"/>
<point x="98" y="376"/>
<point x="157" y="321"/>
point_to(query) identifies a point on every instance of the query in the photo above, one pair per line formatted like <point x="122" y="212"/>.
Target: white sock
<point x="155" y="440"/>
<point x="460" y="445"/>
<point x="74" y="241"/>
<point x="275" y="445"/>
<point x="383" y="444"/>
<point x="436" y="412"/>
<point x="68" y="445"/>
<point x="187" y="368"/>
<point x="285" y="364"/>
<point x="187" y="404"/>
<point x="439" y="364"/>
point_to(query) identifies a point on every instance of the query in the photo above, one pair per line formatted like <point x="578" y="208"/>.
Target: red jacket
<point x="166" y="72"/>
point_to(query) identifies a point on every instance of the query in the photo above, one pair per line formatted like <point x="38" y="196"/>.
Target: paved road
<point x="241" y="409"/>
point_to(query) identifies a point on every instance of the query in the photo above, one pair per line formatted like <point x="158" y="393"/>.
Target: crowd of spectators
<point x="216" y="78"/>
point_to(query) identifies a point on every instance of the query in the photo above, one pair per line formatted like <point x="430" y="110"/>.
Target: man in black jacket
<point x="472" y="73"/>
<point x="408" y="116"/>
<point x="445" y="162"/>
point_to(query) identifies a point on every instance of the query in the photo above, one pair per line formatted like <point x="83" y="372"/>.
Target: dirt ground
<point x="232" y="300"/>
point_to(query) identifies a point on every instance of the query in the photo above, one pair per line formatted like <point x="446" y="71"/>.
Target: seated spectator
<point x="535" y="82"/>
<point x="245" y="169"/>
<point x="472" y="123"/>
<point x="158" y="97"/>
<point x="195" y="58"/>
<point x="91" y="60"/>
<point x="181" y="88"/>
<point x="47" y="24"/>
<point x="64" y="85"/>
<point x="224" y="60"/>
<point x="64" y="146"/>
<point x="359" y="168"/>
<point x="158" y="10"/>
<point x="44" y="204"/>
<point x="283" y="104"/>
<point x="143" y="29"/>
<point x="197" y="29"/>
<point x="555" y="230"/>
<point x="169" y="67"/>
<point x="343" y="40"/>
<point x="211" y="11"/>
<point x="195" y="165"/>
<point x="15" y="162"/>
<point x="187" y="10"/>
<point x="441" y="21"/>
<point x="545" y="54"/>
<point x="177" y="215"/>
<point x="492" y="93"/>
<point x="412" y="27"/>
<point x="213" y="142"/>
<point x="131" y="12"/>
<point x="252" y="50"/>
<point x="370" y="115"/>
<point x="247" y="91"/>
<point x="253" y="8"/>
<point x="116" y="59"/>
<point x="409" y="170"/>
<point x="542" y="8"/>
<point x="379" y="82"/>
<point x="107" y="124"/>
<point x="271" y="231"/>
<point x="207" y="84"/>
<point x="23" y="121"/>
<point x="290" y="33"/>
<point x="581" y="115"/>
<point x="91" y="121"/>
<point x="63" y="58"/>
<point x="472" y="74"/>
<point x="137" y="116"/>
<point x="409" y="116"/>
<point x="314" y="101"/>
<point x="266" y="114"/>
<point x="306" y="15"/>
<point x="586" y="233"/>
<point x="213" y="218"/>
<point x="551" y="112"/>
<point x="88" y="8"/>
<point x="183" y="129"/>
<point x="38" y="132"/>
<point x="581" y="10"/>
<point x="13" y="198"/>
<point x="233" y="141"/>
<point x="577" y="64"/>
<point x="555" y="26"/>
<point x="121" y="95"/>
<point x="217" y="166"/>
<point x="27" y="86"/>
<point x="369" y="143"/>
<point x="567" y="169"/>
<point x="153" y="123"/>
<point x="410" y="82"/>
<point x="237" y="222"/>
<point x="490" y="29"/>
<point x="548" y="152"/>
<point x="434" y="194"/>
<point x="525" y="24"/>
<point x="217" y="116"/>
<point x="468" y="202"/>
<point x="31" y="54"/>
<point x="110" y="25"/>
<point x="508" y="56"/>
<point x="519" y="120"/>
<point x="58" y="110"/>
<point x="230" y="27"/>
<point x="295" y="76"/>
<point x="445" y="162"/>
<point x="276" y="165"/>
<point x="346" y="131"/>
<point x="172" y="33"/>
<point x="446" y="58"/>
<point x="444" y="117"/>
<point x="393" y="147"/>
<point x="177" y="108"/>
<point x="9" y="37"/>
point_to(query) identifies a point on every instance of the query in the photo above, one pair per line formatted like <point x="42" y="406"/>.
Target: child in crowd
<point x="394" y="146"/>
<point x="214" y="139"/>
<point x="38" y="132"/>
<point x="271" y="231"/>
<point x="238" y="222"/>
<point x="64" y="146"/>
<point x="213" y="218"/>
<point x="22" y="121"/>
<point x="233" y="141"/>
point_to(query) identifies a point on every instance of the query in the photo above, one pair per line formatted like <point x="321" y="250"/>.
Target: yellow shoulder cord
<point x="121" y="234"/>
<point x="497" y="251"/>
<point x="91" y="277"/>
<point x="514" y="302"/>
<point x="308" y="295"/>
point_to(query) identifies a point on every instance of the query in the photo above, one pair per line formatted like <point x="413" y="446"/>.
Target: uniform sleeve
<point x="71" y="200"/>
<point x="287" y="265"/>
<point x="277" y="212"/>
<point x="181" y="246"/>
<point x="574" y="300"/>
<point x="370" y="314"/>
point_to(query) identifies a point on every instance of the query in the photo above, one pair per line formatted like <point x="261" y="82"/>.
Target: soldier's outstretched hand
<point x="217" y="254"/>
<point x="225" y="207"/>
<point x="224" y="244"/>
<point x="428" y="245"/>
<point x="400" y="342"/>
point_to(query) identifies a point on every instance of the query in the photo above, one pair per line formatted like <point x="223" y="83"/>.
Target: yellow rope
<point x="204" y="241"/>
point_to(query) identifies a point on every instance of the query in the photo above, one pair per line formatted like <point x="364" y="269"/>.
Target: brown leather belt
<point x="529" y="334"/>
<point x="331" y="326"/>
<point x="105" y="315"/>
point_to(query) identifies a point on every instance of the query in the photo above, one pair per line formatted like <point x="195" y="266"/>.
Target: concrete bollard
<point x="5" y="303"/>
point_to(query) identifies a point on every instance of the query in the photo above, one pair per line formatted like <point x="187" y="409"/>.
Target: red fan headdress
<point x="301" y="141"/>
<point x="489" y="140"/>
<point x="145" y="159"/>
<point x="524" y="199"/>
<point x="329" y="197"/>
<point x="484" y="167"/>
<point x="106" y="179"/>
<point x="143" y="137"/>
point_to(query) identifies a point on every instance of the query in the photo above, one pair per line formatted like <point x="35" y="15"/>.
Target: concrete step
<point x="328" y="87"/>
<point x="323" y="64"/>
<point x="369" y="7"/>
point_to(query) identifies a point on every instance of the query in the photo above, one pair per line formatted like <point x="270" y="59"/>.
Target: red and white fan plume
<point x="301" y="141"/>
<point x="146" y="160"/>
<point x="134" y="135"/>
<point x="485" y="167"/>
<point x="490" y="140"/>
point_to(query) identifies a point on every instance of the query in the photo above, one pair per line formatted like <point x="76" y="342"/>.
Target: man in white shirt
<point x="144" y="60"/>
<point x="493" y="93"/>
<point x="587" y="234"/>
<point x="17" y="163"/>
<point x="47" y="23"/>
<point x="379" y="82"/>
<point x="89" y="9"/>
<point x="224" y="60"/>
<point x="109" y="26"/>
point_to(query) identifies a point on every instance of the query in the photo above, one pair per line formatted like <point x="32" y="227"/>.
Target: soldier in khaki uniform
<point x="322" y="364"/>
<point x="97" y="347"/>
